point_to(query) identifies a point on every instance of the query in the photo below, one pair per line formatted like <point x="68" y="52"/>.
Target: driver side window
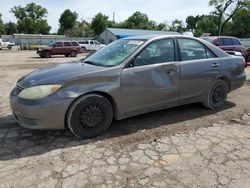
<point x="161" y="51"/>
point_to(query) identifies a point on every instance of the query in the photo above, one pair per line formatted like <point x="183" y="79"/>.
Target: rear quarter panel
<point x="233" y="69"/>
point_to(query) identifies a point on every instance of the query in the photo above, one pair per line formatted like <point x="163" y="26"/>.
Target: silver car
<point x="128" y="77"/>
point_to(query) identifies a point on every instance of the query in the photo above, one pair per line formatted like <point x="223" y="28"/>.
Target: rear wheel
<point x="46" y="54"/>
<point x="73" y="53"/>
<point x="89" y="116"/>
<point x="9" y="47"/>
<point x="83" y="49"/>
<point x="217" y="95"/>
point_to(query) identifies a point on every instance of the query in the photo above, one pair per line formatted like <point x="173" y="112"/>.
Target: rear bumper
<point x="238" y="82"/>
<point x="47" y="113"/>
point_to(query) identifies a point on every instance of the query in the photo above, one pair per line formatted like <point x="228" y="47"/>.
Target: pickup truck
<point x="90" y="45"/>
<point x="6" y="44"/>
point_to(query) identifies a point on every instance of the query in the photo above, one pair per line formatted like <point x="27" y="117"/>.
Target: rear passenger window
<point x="67" y="44"/>
<point x="227" y="41"/>
<point x="193" y="50"/>
<point x="236" y="42"/>
<point x="75" y="44"/>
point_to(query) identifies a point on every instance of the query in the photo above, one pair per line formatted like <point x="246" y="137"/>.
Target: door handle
<point x="215" y="65"/>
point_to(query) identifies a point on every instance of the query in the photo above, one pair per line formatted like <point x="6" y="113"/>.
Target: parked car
<point x="6" y="44"/>
<point x="90" y="45"/>
<point x="128" y="77"/>
<point x="228" y="44"/>
<point x="60" y="48"/>
<point x="248" y="53"/>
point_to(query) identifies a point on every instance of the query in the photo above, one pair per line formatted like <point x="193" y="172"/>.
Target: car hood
<point x="58" y="74"/>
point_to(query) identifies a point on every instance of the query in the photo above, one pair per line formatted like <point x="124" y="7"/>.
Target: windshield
<point x="52" y="44"/>
<point x="114" y="54"/>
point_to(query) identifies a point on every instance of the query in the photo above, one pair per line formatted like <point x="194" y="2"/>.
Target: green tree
<point x="138" y="21"/>
<point x="99" y="23"/>
<point x="10" y="28"/>
<point x="191" y="22"/>
<point x="1" y="25"/>
<point x="177" y="25"/>
<point x="161" y="27"/>
<point x="225" y="10"/>
<point x="31" y="19"/>
<point x="67" y="21"/>
<point x="240" y="24"/>
<point x="206" y="24"/>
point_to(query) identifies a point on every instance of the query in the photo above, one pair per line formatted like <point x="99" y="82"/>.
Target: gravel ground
<point x="187" y="146"/>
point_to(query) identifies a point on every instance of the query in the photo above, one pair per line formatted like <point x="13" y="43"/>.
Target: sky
<point x="157" y="10"/>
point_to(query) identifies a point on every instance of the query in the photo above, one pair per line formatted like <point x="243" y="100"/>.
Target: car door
<point x="67" y="48"/>
<point x="199" y="67"/>
<point x="152" y="79"/>
<point x="57" y="48"/>
<point x="91" y="45"/>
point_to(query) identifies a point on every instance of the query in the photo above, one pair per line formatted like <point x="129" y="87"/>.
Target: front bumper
<point x="47" y="113"/>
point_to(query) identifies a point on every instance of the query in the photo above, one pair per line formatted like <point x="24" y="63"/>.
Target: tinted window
<point x="227" y="41"/>
<point x="58" y="44"/>
<point x="236" y="42"/>
<point x="84" y="42"/>
<point x="220" y="42"/>
<point x="91" y="42"/>
<point x="67" y="44"/>
<point x="74" y="44"/>
<point x="157" y="52"/>
<point x="192" y="50"/>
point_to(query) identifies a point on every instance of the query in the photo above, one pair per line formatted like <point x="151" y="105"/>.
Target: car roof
<point x="152" y="37"/>
<point x="214" y="37"/>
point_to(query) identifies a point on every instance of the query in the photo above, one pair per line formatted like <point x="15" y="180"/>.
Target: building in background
<point x="111" y="34"/>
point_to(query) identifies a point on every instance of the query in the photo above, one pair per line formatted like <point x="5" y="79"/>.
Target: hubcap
<point x="91" y="116"/>
<point x="218" y="94"/>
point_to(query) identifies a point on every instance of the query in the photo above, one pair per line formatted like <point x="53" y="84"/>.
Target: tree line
<point x="229" y="17"/>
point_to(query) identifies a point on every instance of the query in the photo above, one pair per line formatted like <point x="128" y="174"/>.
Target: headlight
<point x="38" y="92"/>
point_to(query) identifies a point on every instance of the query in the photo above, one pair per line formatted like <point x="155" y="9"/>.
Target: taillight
<point x="244" y="63"/>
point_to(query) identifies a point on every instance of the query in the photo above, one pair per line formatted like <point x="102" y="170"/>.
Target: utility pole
<point x="221" y="19"/>
<point x="113" y="17"/>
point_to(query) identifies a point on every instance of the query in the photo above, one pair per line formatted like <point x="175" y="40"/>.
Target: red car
<point x="227" y="44"/>
<point x="60" y="48"/>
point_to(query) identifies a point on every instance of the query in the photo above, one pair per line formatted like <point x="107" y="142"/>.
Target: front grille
<point x="17" y="90"/>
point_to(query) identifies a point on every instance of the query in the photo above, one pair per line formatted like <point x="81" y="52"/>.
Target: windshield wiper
<point x="92" y="63"/>
<point x="89" y="62"/>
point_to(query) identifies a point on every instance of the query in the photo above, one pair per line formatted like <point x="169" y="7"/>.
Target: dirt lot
<point x="58" y="159"/>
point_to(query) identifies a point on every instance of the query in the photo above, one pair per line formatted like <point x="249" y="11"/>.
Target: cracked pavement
<point x="187" y="146"/>
<point x="217" y="156"/>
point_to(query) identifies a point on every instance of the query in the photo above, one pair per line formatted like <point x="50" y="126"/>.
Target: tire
<point x="89" y="116"/>
<point x="46" y="54"/>
<point x="66" y="55"/>
<point x="73" y="53"/>
<point x="9" y="47"/>
<point x="216" y="95"/>
<point x="83" y="49"/>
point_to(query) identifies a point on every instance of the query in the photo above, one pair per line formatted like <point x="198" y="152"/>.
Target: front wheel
<point x="216" y="95"/>
<point x="9" y="47"/>
<point x="89" y="116"/>
<point x="46" y="54"/>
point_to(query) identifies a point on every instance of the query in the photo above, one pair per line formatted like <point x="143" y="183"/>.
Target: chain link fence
<point x="33" y="42"/>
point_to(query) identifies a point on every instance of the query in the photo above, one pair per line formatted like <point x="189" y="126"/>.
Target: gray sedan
<point x="128" y="77"/>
